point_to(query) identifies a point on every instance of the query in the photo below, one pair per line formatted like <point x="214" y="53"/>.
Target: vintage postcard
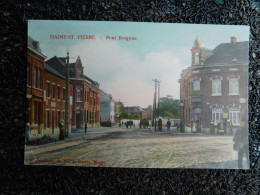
<point x="137" y="95"/>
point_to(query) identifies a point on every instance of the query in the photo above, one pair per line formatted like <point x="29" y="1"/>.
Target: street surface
<point x="137" y="148"/>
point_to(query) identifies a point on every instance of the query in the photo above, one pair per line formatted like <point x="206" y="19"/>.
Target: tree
<point x="137" y="117"/>
<point x="169" y="108"/>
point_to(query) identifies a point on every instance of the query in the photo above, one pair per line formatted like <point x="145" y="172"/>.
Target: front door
<point x="39" y="117"/>
<point x="52" y="122"/>
<point x="78" y="120"/>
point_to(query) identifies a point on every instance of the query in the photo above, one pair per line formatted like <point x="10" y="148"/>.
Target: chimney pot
<point x="233" y="40"/>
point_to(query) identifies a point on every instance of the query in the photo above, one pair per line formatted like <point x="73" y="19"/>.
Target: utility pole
<point x="158" y="94"/>
<point x="67" y="97"/>
<point x="154" y="107"/>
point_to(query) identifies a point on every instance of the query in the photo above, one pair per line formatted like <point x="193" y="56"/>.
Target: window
<point x="78" y="94"/>
<point x="63" y="115"/>
<point x="58" y="91"/>
<point x="196" y="58"/>
<point x="216" y="115"/>
<point x="48" y="89"/>
<point x="53" y="91"/>
<point x="197" y="114"/>
<point x="196" y="85"/>
<point x="85" y="95"/>
<point x="58" y="118"/>
<point x="35" y="112"/>
<point x="234" y="116"/>
<point x="35" y="78"/>
<point x="64" y="94"/>
<point x="40" y="78"/>
<point x="88" y="96"/>
<point x="216" y="87"/>
<point x="47" y="119"/>
<point x="233" y="86"/>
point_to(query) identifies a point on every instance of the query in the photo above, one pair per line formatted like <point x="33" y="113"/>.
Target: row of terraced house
<point x="46" y="93"/>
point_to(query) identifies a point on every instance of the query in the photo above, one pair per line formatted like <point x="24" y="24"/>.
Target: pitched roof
<point x="53" y="71"/>
<point x="228" y="53"/>
<point x="72" y="65"/>
<point x="58" y="65"/>
<point x="35" y="47"/>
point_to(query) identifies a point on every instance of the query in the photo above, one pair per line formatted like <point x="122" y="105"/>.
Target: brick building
<point x="86" y="93"/>
<point x="136" y="110"/>
<point x="215" y="87"/>
<point x="35" y="91"/>
<point x="54" y="100"/>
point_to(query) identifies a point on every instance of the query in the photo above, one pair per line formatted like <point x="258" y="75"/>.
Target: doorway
<point x="52" y="122"/>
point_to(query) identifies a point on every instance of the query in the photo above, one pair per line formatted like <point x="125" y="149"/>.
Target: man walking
<point x="86" y="126"/>
<point x="168" y="125"/>
<point x="241" y="143"/>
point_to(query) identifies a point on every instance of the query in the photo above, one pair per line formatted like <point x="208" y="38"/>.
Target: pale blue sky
<point x="161" y="51"/>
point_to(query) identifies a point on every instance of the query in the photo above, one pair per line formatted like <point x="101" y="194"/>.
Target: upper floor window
<point x="53" y="91"/>
<point x="40" y="78"/>
<point x="196" y="58"/>
<point x="35" y="77"/>
<point x="78" y="94"/>
<point x="196" y="85"/>
<point x="64" y="94"/>
<point x="216" y="87"/>
<point x="48" y="89"/>
<point x="233" y="86"/>
<point x="58" y="91"/>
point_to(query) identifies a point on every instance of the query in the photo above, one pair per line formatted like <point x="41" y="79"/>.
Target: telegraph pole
<point x="67" y="97"/>
<point x="154" y="107"/>
<point x="158" y="94"/>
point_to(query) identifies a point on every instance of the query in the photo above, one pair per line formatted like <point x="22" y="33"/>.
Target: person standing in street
<point x="168" y="125"/>
<point x="86" y="126"/>
<point x="241" y="143"/>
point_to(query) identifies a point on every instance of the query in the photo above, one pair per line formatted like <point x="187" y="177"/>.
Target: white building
<point x="107" y="108"/>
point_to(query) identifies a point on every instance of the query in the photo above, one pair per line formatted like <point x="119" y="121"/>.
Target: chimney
<point x="233" y="40"/>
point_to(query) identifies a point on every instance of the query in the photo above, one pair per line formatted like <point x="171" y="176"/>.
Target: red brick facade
<point x="35" y="94"/>
<point x="215" y="88"/>
<point x="86" y="98"/>
<point x="54" y="104"/>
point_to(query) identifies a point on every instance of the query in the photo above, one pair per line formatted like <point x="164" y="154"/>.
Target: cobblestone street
<point x="138" y="148"/>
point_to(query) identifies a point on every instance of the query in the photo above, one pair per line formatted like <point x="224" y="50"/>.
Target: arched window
<point x="196" y="58"/>
<point x="78" y="94"/>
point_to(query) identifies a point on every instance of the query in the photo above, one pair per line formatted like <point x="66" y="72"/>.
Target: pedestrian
<point x="27" y="133"/>
<point x="241" y="143"/>
<point x="225" y="126"/>
<point x="168" y="125"/>
<point x="160" y="124"/>
<point x="61" y="127"/>
<point x="86" y="126"/>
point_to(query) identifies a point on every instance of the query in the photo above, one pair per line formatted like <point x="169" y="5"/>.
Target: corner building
<point x="35" y="92"/>
<point x="215" y="88"/>
<point x="86" y="93"/>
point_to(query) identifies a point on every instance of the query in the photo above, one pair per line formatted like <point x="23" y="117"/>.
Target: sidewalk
<point x="74" y="135"/>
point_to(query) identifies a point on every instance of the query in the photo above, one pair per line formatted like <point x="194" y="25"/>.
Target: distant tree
<point x="169" y="108"/>
<point x="137" y="117"/>
<point x="130" y="116"/>
<point x="123" y="114"/>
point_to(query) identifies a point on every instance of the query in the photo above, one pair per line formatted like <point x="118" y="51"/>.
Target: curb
<point x="28" y="148"/>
